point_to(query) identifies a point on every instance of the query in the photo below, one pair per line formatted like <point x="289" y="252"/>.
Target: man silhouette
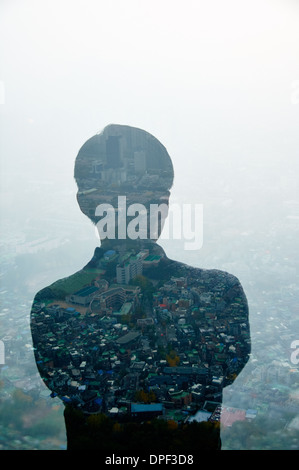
<point x="138" y="346"/>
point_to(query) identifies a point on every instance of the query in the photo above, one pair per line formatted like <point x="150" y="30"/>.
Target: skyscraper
<point x="113" y="152"/>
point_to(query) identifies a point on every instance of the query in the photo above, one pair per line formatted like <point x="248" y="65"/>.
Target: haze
<point x="216" y="82"/>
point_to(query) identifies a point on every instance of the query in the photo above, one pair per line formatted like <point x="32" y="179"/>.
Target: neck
<point x="138" y="244"/>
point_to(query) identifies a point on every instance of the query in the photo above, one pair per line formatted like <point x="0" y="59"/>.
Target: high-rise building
<point x="129" y="270"/>
<point x="140" y="161"/>
<point x="113" y="152"/>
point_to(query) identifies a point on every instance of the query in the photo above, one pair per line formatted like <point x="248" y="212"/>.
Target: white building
<point x="129" y="270"/>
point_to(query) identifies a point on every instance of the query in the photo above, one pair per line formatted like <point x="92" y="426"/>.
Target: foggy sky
<point x="216" y="82"/>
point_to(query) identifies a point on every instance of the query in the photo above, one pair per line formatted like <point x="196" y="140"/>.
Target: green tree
<point x="172" y="358"/>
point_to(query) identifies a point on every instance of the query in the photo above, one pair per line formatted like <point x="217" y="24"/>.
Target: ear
<point x="84" y="205"/>
<point x="165" y="198"/>
<point x="79" y="199"/>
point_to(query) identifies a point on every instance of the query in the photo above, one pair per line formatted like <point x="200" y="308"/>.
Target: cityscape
<point x="124" y="343"/>
<point x="149" y="289"/>
<point x="259" y="408"/>
<point x="267" y="388"/>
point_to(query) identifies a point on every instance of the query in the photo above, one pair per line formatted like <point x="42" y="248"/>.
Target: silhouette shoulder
<point x="62" y="287"/>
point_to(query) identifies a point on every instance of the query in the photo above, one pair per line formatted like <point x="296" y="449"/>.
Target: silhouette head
<point x="123" y="162"/>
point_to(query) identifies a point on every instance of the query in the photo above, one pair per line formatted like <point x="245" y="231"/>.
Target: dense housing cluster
<point x="155" y="346"/>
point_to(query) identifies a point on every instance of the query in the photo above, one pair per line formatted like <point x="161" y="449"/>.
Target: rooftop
<point x="142" y="407"/>
<point x="86" y="291"/>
